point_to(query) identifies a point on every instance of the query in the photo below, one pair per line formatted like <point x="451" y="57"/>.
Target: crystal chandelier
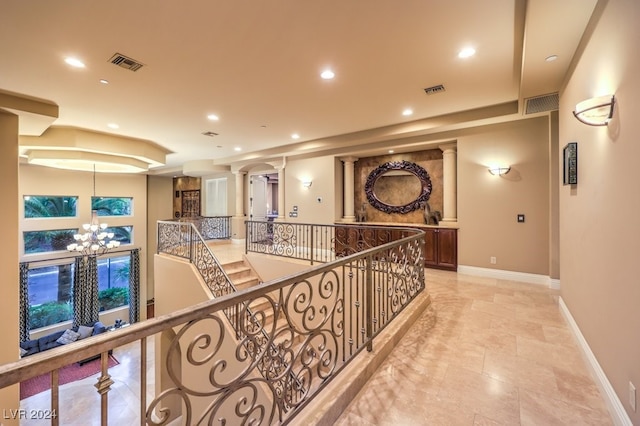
<point x="95" y="240"/>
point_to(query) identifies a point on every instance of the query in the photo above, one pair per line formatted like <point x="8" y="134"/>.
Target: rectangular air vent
<point x="434" y="89"/>
<point x="543" y="103"/>
<point x="210" y="134"/>
<point x="125" y="62"/>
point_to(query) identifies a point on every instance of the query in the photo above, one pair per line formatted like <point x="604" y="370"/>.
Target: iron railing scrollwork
<point x="292" y="335"/>
<point x="184" y="240"/>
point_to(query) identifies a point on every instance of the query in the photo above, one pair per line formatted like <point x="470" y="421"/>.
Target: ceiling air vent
<point x="434" y="89"/>
<point x="125" y="62"/>
<point x="541" y="103"/>
<point x="210" y="134"/>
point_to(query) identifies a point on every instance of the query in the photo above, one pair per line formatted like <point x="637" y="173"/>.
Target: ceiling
<point x="257" y="64"/>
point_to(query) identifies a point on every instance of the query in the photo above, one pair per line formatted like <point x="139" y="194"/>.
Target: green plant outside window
<point x="36" y="206"/>
<point x="112" y="206"/>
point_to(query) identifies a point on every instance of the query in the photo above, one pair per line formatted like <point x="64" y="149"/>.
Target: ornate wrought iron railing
<point x="184" y="240"/>
<point x="211" y="227"/>
<point x="317" y="243"/>
<point x="317" y="321"/>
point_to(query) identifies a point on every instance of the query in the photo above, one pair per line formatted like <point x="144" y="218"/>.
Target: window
<point x="121" y="233"/>
<point x="113" y="282"/>
<point x="51" y="287"/>
<point x="50" y="295"/>
<point x="112" y="206"/>
<point x="216" y="197"/>
<point x="45" y="241"/>
<point x="36" y="206"/>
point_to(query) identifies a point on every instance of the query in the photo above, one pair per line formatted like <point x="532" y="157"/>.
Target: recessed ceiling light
<point x="551" y="58"/>
<point x="327" y="74"/>
<point x="74" y="62"/>
<point x="467" y="52"/>
<point x="113" y="126"/>
<point x="237" y="148"/>
<point x="213" y="117"/>
<point x="103" y="81"/>
<point x="407" y="112"/>
<point x="295" y="136"/>
<point x="391" y="151"/>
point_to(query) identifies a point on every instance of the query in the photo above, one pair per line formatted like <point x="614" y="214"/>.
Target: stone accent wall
<point x="183" y="184"/>
<point x="430" y="160"/>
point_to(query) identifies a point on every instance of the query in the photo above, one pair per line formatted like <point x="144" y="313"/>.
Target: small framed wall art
<point x="570" y="164"/>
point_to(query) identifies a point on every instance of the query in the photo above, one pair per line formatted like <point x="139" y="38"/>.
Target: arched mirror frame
<point x="413" y="168"/>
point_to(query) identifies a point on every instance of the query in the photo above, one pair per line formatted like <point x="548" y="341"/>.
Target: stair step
<point x="246" y="282"/>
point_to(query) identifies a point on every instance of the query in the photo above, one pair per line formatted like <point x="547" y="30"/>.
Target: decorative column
<point x="349" y="202"/>
<point x="237" y="221"/>
<point x="449" y="184"/>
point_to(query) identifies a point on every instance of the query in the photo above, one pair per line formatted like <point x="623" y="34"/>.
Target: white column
<point x="449" y="183"/>
<point x="237" y="221"/>
<point x="239" y="193"/>
<point x="349" y="210"/>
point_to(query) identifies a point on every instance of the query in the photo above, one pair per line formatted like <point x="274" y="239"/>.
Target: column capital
<point x="238" y="172"/>
<point x="278" y="165"/>
<point x="448" y="147"/>
<point x="348" y="159"/>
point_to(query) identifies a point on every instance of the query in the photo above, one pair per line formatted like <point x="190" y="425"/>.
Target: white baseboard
<point x="524" y="277"/>
<point x="618" y="414"/>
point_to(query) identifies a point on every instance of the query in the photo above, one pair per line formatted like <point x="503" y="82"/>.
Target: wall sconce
<point x="499" y="170"/>
<point x="307" y="184"/>
<point x="595" y="111"/>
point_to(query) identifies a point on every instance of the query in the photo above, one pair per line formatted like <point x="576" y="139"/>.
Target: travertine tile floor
<point x="486" y="352"/>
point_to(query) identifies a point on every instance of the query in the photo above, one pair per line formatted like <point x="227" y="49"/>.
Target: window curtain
<point x="134" y="286"/>
<point x="85" y="291"/>
<point x="24" y="302"/>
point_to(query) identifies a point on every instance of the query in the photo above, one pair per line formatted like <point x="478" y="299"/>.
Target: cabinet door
<point x="448" y="248"/>
<point x="430" y="247"/>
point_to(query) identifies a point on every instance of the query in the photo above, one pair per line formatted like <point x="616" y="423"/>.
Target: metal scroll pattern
<point x="292" y="336"/>
<point x="174" y="238"/>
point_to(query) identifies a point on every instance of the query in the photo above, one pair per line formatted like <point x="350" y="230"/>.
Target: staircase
<point x="241" y="274"/>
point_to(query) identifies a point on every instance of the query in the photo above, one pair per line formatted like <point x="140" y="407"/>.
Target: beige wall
<point x="9" y="296"/>
<point x="599" y="226"/>
<point x="38" y="180"/>
<point x="159" y="207"/>
<point x="488" y="205"/>
<point x="321" y="171"/>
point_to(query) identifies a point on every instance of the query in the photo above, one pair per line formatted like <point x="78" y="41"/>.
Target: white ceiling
<point x="256" y="64"/>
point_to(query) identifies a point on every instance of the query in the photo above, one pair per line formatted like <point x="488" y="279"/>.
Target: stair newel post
<point x="192" y="242"/>
<point x="312" y="246"/>
<point x="368" y="297"/>
<point x="247" y="236"/>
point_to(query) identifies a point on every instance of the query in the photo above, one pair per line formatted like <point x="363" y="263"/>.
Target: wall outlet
<point x="492" y="260"/>
<point x="632" y="396"/>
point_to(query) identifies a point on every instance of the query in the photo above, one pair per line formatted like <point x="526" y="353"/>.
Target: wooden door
<point x="430" y="247"/>
<point x="448" y="249"/>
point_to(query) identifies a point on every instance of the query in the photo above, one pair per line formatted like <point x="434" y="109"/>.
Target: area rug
<point x="67" y="374"/>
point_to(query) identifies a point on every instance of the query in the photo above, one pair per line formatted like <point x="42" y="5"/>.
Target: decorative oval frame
<point x="413" y="168"/>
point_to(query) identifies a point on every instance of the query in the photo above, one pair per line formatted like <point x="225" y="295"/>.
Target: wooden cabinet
<point x="441" y="248"/>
